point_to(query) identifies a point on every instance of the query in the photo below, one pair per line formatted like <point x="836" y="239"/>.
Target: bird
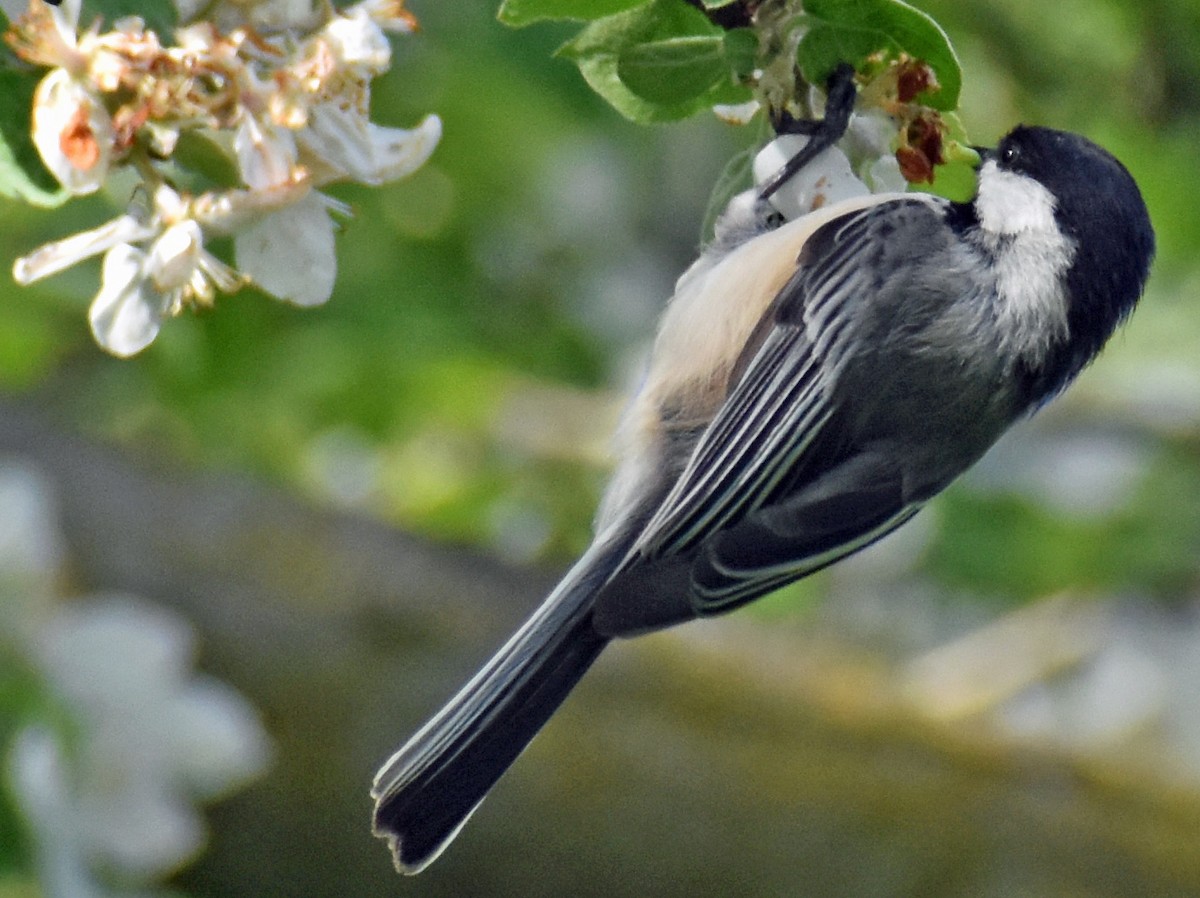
<point x="813" y="384"/>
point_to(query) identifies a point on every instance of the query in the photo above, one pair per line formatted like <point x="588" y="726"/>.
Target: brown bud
<point x="914" y="77"/>
<point x="914" y="165"/>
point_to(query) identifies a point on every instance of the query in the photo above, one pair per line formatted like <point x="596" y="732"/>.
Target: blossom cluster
<point x="281" y="87"/>
<point x="111" y="742"/>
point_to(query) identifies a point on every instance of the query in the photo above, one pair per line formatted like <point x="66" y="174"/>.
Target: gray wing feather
<point x="777" y="420"/>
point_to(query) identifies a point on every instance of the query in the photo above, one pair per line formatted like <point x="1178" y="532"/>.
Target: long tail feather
<point x="427" y="790"/>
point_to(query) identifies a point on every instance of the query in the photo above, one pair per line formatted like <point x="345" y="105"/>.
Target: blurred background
<point x="349" y="507"/>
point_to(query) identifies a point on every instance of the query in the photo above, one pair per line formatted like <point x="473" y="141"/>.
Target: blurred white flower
<point x="862" y="162"/>
<point x="884" y="175"/>
<point x="870" y="143"/>
<point x="870" y="135"/>
<point x="151" y="739"/>
<point x="39" y="781"/>
<point x="109" y="782"/>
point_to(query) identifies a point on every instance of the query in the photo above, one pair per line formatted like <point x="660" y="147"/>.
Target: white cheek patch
<point x="1030" y="256"/>
<point x="1008" y="203"/>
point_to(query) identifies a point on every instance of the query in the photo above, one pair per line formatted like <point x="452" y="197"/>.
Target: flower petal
<point x="356" y="40"/>
<point x="40" y="784"/>
<point x="66" y="18"/>
<point x="61" y="254"/>
<point x="266" y="156"/>
<point x="72" y="132"/>
<point x="347" y="146"/>
<point x="336" y="144"/>
<point x="389" y="15"/>
<point x="126" y="314"/>
<point x="145" y="830"/>
<point x="825" y="180"/>
<point x="397" y="152"/>
<point x="117" y="652"/>
<point x="290" y="253"/>
<point x="175" y="255"/>
<point x="231" y="210"/>
<point x="217" y="739"/>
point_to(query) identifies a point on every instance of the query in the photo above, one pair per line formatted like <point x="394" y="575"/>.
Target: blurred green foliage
<point x="530" y="259"/>
<point x="1013" y="547"/>
<point x="20" y="692"/>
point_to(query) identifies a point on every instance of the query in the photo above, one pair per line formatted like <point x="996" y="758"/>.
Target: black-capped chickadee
<point x="812" y="385"/>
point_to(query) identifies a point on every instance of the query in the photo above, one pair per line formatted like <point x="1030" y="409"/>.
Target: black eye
<point x="1009" y="155"/>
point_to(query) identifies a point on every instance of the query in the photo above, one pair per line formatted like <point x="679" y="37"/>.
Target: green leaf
<point x="741" y="49"/>
<point x="661" y="61"/>
<point x="853" y="30"/>
<point x="519" y="13"/>
<point x="675" y="70"/>
<point x="22" y="175"/>
<point x="654" y="20"/>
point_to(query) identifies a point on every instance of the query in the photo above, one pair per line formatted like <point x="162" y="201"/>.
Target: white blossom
<point x="140" y="289"/>
<point x="341" y="144"/>
<point x="883" y="175"/>
<point x="107" y="786"/>
<point x="152" y="739"/>
<point x="175" y="256"/>
<point x="870" y="144"/>
<point x="737" y="113"/>
<point x="825" y="180"/>
<point x="357" y="40"/>
<point x="282" y="85"/>
<point x="126" y="314"/>
<point x="290" y="253"/>
<point x="72" y="132"/>
<point x="862" y="162"/>
<point x="266" y="154"/>
<point x="50" y="38"/>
